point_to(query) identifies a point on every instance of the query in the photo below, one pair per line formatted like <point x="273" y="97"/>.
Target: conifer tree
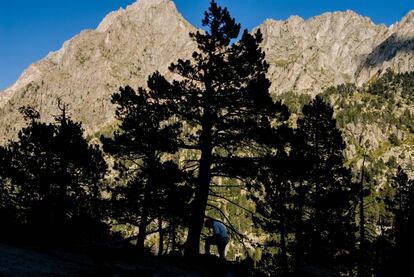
<point x="275" y="207"/>
<point x="308" y="194"/>
<point x="144" y="136"/>
<point x="330" y="196"/>
<point x="54" y="173"/>
<point x="403" y="226"/>
<point x="222" y="96"/>
<point x="7" y="209"/>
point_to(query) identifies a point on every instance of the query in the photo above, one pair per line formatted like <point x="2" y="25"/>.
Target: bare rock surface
<point x="127" y="46"/>
<point x="305" y="56"/>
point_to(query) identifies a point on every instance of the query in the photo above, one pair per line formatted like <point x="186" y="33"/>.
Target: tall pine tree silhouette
<point x="55" y="173"/>
<point x="139" y="144"/>
<point x="222" y="96"/>
<point x="276" y="206"/>
<point x="330" y="195"/>
<point x="402" y="207"/>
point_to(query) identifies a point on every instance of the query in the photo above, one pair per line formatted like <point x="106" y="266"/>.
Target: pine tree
<point x="330" y="196"/>
<point x="222" y="97"/>
<point x="7" y="209"/>
<point x="403" y="227"/>
<point x="54" y="174"/>
<point x="275" y="207"/>
<point x="144" y="136"/>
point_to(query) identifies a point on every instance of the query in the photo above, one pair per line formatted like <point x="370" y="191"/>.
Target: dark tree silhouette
<point x="329" y="214"/>
<point x="308" y="194"/>
<point x="299" y="169"/>
<point x="276" y="206"/>
<point x="222" y="98"/>
<point x="172" y="204"/>
<point x="53" y="174"/>
<point x="7" y="206"/>
<point x="143" y="138"/>
<point x="402" y="207"/>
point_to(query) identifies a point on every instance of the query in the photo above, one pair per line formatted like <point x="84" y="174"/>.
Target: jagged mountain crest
<point x="395" y="51"/>
<point x="310" y="55"/>
<point x="126" y="47"/>
<point x="305" y="56"/>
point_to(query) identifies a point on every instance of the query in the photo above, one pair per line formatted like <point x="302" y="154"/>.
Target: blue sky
<point x="29" y="29"/>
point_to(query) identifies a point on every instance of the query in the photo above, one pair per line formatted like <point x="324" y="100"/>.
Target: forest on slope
<point x="305" y="187"/>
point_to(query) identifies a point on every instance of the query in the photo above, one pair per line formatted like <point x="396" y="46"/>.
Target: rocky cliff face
<point x="311" y="55"/>
<point x="334" y="48"/>
<point x="127" y="46"/>
<point x="395" y="50"/>
<point x="305" y="56"/>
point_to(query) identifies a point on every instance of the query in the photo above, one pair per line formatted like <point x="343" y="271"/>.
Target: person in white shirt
<point x="219" y="237"/>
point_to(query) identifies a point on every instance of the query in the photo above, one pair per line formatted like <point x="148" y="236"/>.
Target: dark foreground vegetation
<point x="146" y="189"/>
<point x="98" y="261"/>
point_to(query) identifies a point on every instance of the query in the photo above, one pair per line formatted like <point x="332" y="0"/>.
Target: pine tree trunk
<point x="201" y="195"/>
<point x="199" y="207"/>
<point x="173" y="237"/>
<point x="283" y="245"/>
<point x="146" y="202"/>
<point x="161" y="239"/>
<point x="361" y="260"/>
<point x="142" y="228"/>
<point x="299" y="228"/>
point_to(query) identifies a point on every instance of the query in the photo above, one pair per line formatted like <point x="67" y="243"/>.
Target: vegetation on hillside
<point x="305" y="187"/>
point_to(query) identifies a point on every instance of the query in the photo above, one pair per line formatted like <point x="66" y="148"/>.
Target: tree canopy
<point x="222" y="97"/>
<point x="52" y="175"/>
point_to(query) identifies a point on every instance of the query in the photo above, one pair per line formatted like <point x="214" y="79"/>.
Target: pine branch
<point x="231" y="202"/>
<point x="186" y="146"/>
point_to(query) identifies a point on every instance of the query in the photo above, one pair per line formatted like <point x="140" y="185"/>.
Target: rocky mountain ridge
<point x="334" y="48"/>
<point x="305" y="56"/>
<point x="127" y="46"/>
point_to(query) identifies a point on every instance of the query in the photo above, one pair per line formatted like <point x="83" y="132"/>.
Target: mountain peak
<point x="127" y="46"/>
<point x="146" y="5"/>
<point x="131" y="43"/>
<point x="295" y="19"/>
<point x="151" y="3"/>
<point x="139" y="9"/>
<point x="408" y="18"/>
